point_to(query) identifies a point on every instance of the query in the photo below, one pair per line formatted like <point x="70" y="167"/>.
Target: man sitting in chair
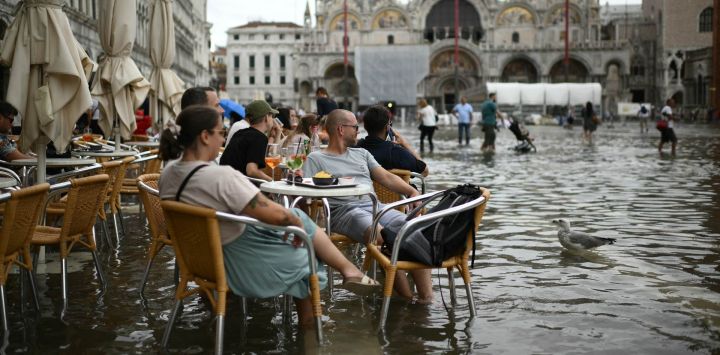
<point x="352" y="216"/>
<point x="394" y="154"/>
<point x="8" y="148"/>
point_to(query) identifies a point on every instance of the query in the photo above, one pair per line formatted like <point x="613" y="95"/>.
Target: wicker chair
<point x="113" y="169"/>
<point x="84" y="200"/>
<point x="195" y="232"/>
<point x="20" y="217"/>
<point x="148" y="187"/>
<point x="151" y="165"/>
<point x="391" y="265"/>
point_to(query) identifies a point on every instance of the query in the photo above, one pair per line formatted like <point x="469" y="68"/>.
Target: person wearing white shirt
<point x="428" y="124"/>
<point x="643" y="116"/>
<point x="668" y="134"/>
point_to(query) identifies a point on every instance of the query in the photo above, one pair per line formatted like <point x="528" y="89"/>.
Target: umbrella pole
<point x="41" y="151"/>
<point x="116" y="130"/>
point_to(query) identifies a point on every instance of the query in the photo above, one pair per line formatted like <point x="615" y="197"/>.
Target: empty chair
<point x="148" y="188"/>
<point x="20" y="217"/>
<point x="84" y="199"/>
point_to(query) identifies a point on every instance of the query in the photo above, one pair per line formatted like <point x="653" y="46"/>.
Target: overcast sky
<point x="224" y="14"/>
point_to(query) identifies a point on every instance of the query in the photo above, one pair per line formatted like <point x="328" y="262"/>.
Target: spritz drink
<point x="272" y="157"/>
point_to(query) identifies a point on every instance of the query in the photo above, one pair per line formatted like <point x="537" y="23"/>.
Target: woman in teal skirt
<point x="258" y="262"/>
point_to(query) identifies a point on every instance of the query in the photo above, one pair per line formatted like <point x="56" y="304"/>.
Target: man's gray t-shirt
<point x="355" y="162"/>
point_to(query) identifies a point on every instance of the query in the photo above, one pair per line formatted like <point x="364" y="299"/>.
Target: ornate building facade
<point x="499" y="41"/>
<point x="192" y="36"/>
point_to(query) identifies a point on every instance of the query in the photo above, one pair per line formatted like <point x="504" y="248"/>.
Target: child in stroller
<point x="521" y="134"/>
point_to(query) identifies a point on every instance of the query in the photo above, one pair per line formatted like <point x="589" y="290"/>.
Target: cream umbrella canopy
<point x="166" y="87"/>
<point x="48" y="81"/>
<point x="120" y="87"/>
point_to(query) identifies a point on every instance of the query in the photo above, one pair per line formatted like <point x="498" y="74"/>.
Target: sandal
<point x="361" y="286"/>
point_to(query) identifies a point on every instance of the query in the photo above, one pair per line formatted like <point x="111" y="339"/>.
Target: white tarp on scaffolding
<point x="532" y="94"/>
<point x="546" y="94"/>
<point x="391" y="73"/>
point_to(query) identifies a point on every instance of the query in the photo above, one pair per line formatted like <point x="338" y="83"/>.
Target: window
<point x="298" y="37"/>
<point x="282" y="80"/>
<point x="706" y="18"/>
<point x="391" y="39"/>
<point x="251" y="37"/>
<point x="267" y="79"/>
<point x="237" y="80"/>
<point x="281" y="37"/>
<point x="282" y="61"/>
<point x="267" y="61"/>
<point x="637" y="69"/>
<point x="266" y="37"/>
<point x="252" y="62"/>
<point x="236" y="37"/>
<point x="236" y="61"/>
<point x="515" y="37"/>
<point x="252" y="80"/>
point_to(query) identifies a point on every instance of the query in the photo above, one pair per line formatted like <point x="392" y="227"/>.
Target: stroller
<point x="522" y="135"/>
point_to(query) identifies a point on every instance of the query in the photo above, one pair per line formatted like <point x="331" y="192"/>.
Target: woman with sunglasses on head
<point x="258" y="263"/>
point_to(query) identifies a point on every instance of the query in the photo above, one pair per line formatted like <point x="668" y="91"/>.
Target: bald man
<point x="352" y="216"/>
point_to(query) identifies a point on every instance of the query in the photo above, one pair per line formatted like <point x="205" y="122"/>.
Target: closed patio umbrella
<point x="48" y="80"/>
<point x="167" y="88"/>
<point x="120" y="87"/>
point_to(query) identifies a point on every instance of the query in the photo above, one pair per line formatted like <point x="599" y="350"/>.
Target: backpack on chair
<point x="443" y="238"/>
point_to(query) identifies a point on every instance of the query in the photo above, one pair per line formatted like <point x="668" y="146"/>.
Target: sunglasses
<point x="357" y="127"/>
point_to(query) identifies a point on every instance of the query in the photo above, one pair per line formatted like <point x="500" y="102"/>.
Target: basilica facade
<point x="499" y="41"/>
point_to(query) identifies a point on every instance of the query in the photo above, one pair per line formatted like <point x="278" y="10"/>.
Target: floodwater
<point x="656" y="291"/>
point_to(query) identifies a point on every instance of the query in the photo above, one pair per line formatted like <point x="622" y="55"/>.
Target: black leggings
<point x="426" y="131"/>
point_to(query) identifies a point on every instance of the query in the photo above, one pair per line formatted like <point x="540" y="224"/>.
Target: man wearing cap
<point x="246" y="150"/>
<point x="8" y="148"/>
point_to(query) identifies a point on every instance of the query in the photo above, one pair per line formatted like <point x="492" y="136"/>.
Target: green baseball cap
<point x="259" y="108"/>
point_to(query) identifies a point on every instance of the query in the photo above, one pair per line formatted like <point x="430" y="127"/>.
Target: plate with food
<point x="323" y="179"/>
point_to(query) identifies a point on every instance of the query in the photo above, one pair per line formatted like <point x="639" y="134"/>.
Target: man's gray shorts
<point x="354" y="219"/>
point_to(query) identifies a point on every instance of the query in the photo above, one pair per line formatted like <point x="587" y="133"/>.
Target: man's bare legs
<point x="329" y="253"/>
<point x="422" y="278"/>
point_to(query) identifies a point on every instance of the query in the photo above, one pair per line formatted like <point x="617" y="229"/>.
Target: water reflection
<point x="654" y="291"/>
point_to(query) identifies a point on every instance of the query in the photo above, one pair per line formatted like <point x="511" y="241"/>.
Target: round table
<point x="104" y="154"/>
<point x="49" y="163"/>
<point x="53" y="162"/>
<point x="144" y="144"/>
<point x="6" y="182"/>
<point x="285" y="189"/>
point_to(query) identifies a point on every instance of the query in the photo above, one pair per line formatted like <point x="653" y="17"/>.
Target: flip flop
<point x="362" y="286"/>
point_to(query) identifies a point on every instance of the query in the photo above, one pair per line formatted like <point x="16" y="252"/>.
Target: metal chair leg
<point x="384" y="311"/>
<point x="33" y="289"/>
<point x="177" y="273"/>
<point x="117" y="228"/>
<point x="4" y="309"/>
<point x="451" y="285"/>
<point x="63" y="281"/>
<point x="122" y="221"/>
<point x="219" y="334"/>
<point x="471" y="299"/>
<point x="145" y="277"/>
<point x="168" y="328"/>
<point x="106" y="231"/>
<point x="97" y="268"/>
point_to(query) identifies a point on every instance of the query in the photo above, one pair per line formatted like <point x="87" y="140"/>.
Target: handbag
<point x="661" y="124"/>
<point x="596" y="119"/>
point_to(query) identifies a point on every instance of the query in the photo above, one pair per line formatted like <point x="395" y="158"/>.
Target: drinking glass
<point x="272" y="157"/>
<point x="295" y="158"/>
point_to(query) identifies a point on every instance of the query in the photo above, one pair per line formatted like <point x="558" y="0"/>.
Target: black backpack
<point x="443" y="238"/>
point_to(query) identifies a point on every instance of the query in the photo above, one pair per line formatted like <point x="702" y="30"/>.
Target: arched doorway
<point x="576" y="72"/>
<point x="344" y="90"/>
<point x="442" y="67"/>
<point x="306" y="93"/>
<point x="519" y="70"/>
<point x="439" y="23"/>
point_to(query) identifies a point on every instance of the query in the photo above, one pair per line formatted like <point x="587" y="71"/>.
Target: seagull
<point x="578" y="240"/>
